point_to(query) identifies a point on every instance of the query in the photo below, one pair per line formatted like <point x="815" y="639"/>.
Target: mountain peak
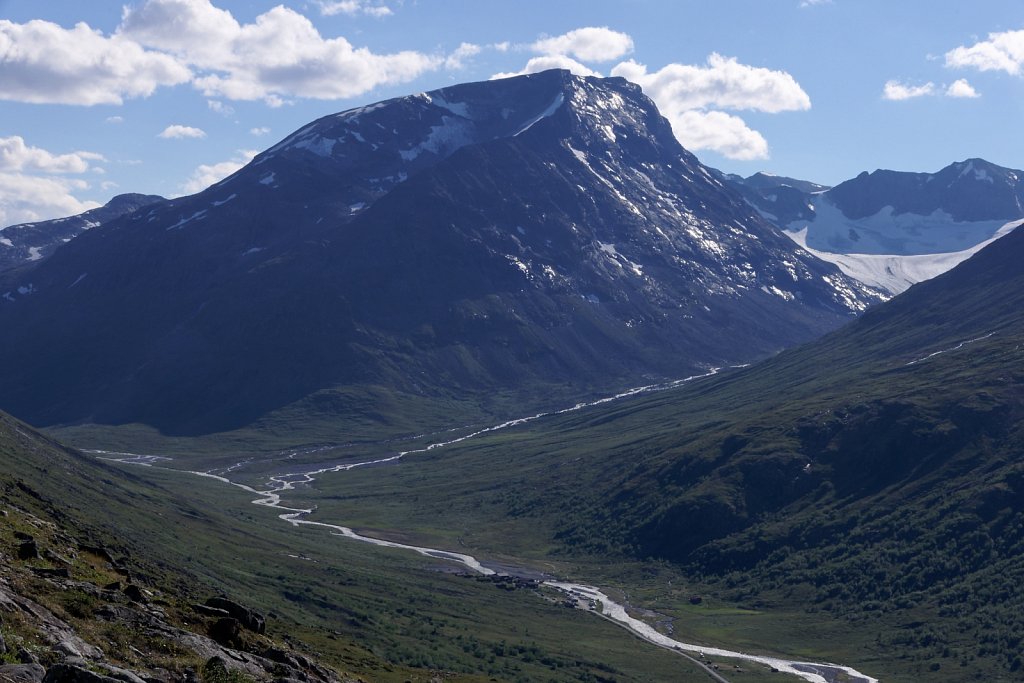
<point x="520" y="235"/>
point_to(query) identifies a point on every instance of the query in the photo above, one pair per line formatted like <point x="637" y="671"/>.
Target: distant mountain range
<point x="528" y="235"/>
<point x="890" y="229"/>
<point x="30" y="242"/>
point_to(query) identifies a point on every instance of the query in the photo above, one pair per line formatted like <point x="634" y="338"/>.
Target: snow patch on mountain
<point x="895" y="273"/>
<point x="451" y="134"/>
<point x="888" y="233"/>
<point x="551" y="109"/>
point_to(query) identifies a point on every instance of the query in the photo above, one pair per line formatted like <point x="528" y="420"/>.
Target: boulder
<point x="226" y="631"/>
<point x="70" y="673"/>
<point x="22" y="673"/>
<point x="120" y="674"/>
<point x="248" y="618"/>
<point x="28" y="550"/>
<point x="135" y="594"/>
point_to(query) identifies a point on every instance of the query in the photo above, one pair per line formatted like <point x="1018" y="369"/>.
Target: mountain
<point x="769" y="182"/>
<point x="30" y="242"/>
<point x="890" y="229"/>
<point x="542" y="235"/>
<point x="868" y="486"/>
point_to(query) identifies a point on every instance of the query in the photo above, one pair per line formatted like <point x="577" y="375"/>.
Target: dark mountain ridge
<point x="970" y="190"/>
<point x="26" y="243"/>
<point x="510" y="235"/>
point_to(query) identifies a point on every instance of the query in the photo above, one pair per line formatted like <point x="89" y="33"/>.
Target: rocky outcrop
<point x="22" y="673"/>
<point x="248" y="618"/>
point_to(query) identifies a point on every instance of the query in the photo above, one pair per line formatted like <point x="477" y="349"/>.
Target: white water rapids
<point x="271" y="498"/>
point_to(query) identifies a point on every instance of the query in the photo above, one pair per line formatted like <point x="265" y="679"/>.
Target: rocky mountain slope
<point x="27" y="243"/>
<point x="541" y="235"/>
<point x="81" y="601"/>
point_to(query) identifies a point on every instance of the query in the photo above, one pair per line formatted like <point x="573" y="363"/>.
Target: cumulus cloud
<point x="896" y="91"/>
<point x="208" y="174"/>
<point x="15" y="155"/>
<point x="353" y="7"/>
<point x="43" y="63"/>
<point x="281" y="54"/>
<point x="1001" y="52"/>
<point x="262" y="130"/>
<point x="545" y="62"/>
<point x="590" y="44"/>
<point x="961" y="88"/>
<point x="26" y="198"/>
<point x="715" y="130"/>
<point x="463" y="52"/>
<point x="220" y="107"/>
<point x="34" y="185"/>
<point x="723" y="82"/>
<point x="178" y="132"/>
<point x="692" y="96"/>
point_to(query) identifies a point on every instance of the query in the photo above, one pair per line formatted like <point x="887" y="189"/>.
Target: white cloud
<point x="208" y="174"/>
<point x="15" y="155"/>
<point x="262" y="130"/>
<point x="43" y="63"/>
<point x="691" y="97"/>
<point x="177" y="132"/>
<point x="461" y="53"/>
<point x="353" y="7"/>
<point x="108" y="185"/>
<point x="894" y="90"/>
<point x="590" y="44"/>
<point x="115" y="119"/>
<point x="1001" y="52"/>
<point x="281" y="54"/>
<point x="220" y="107"/>
<point x="722" y="83"/>
<point x="814" y="3"/>
<point x="27" y="198"/>
<point x="723" y="133"/>
<point x="543" y="63"/>
<point x="961" y="88"/>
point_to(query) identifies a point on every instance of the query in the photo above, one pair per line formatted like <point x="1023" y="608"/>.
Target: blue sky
<point x="165" y="96"/>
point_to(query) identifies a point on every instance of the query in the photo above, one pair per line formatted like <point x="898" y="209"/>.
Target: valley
<point x="498" y="381"/>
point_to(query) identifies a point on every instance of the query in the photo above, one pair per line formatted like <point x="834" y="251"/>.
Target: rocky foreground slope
<point x="78" y="604"/>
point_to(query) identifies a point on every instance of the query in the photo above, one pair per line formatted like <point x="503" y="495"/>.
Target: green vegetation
<point x="379" y="614"/>
<point x="865" y="496"/>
